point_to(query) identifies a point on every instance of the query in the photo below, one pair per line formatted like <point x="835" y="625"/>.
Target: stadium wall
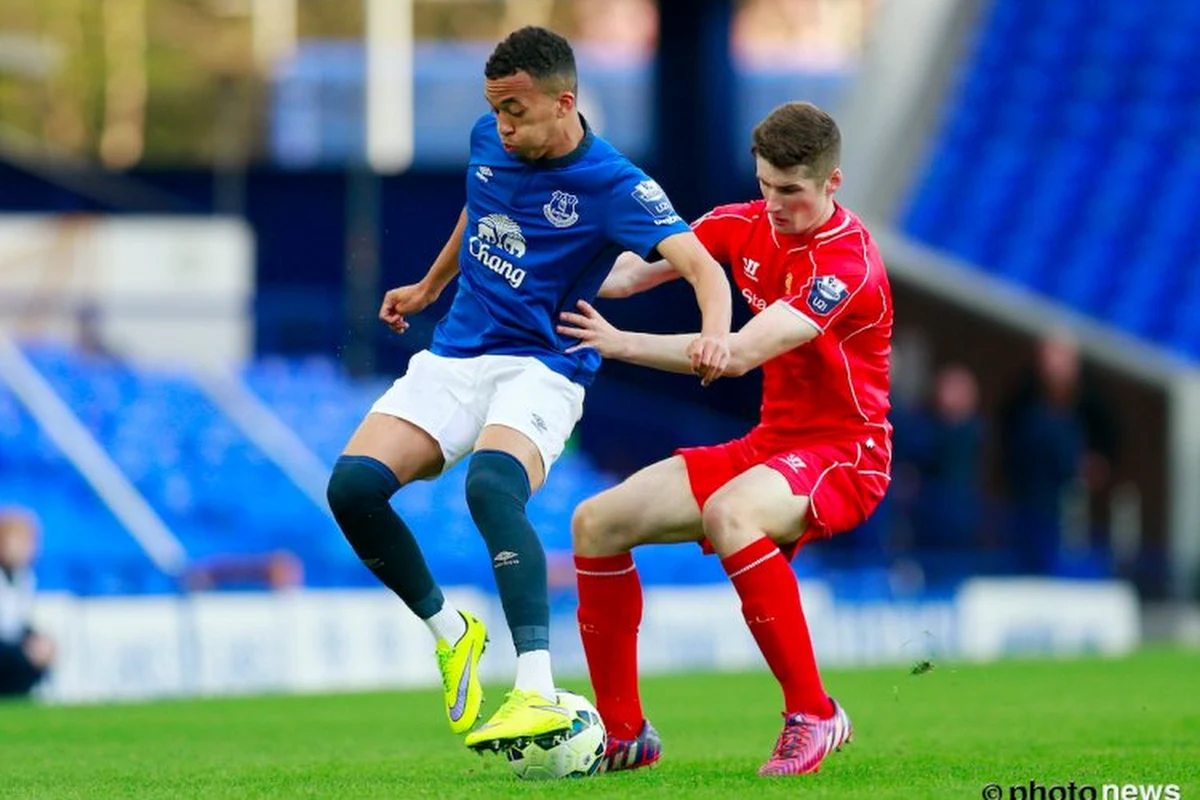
<point x="150" y="287"/>
<point x="319" y="641"/>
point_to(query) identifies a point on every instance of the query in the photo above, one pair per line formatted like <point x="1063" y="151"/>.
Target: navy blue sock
<point x="358" y="494"/>
<point x="497" y="491"/>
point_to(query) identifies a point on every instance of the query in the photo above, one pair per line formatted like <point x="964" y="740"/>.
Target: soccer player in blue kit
<point x="549" y="207"/>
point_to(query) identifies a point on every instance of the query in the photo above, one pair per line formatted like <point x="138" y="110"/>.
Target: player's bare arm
<point x="775" y="331"/>
<point x="709" y="355"/>
<point x="771" y="333"/>
<point x="404" y="301"/>
<point x="631" y="274"/>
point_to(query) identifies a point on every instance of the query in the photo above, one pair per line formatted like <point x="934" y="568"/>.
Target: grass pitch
<point x="947" y="733"/>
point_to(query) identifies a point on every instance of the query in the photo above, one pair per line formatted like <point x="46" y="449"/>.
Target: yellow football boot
<point x="459" y="663"/>
<point x="524" y="715"/>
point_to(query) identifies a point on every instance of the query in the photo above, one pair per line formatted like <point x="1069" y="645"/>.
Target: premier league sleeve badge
<point x="826" y="294"/>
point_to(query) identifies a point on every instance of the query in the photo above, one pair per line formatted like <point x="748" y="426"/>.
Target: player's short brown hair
<point x="799" y="134"/>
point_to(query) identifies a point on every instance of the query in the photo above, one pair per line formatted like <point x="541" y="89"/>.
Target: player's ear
<point x="565" y="104"/>
<point x="834" y="182"/>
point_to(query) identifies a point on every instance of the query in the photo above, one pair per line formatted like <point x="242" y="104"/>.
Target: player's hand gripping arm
<point x="709" y="354"/>
<point x="773" y="332"/>
<point x="404" y="301"/>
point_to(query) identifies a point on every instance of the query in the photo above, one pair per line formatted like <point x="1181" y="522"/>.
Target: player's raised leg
<point x="746" y="522"/>
<point x="654" y="505"/>
<point x="385" y="453"/>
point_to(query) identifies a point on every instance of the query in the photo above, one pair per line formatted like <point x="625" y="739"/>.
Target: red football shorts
<point x="843" y="481"/>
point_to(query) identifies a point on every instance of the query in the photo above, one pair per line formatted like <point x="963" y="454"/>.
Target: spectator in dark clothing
<point x="949" y="457"/>
<point x="1057" y="432"/>
<point x="25" y="656"/>
<point x="938" y="477"/>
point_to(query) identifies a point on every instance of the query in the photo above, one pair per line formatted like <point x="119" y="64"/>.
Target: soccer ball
<point x="574" y="753"/>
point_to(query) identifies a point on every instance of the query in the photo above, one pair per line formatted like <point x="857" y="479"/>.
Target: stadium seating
<point x="222" y="497"/>
<point x="216" y="491"/>
<point x="227" y="500"/>
<point x="80" y="531"/>
<point x="1068" y="160"/>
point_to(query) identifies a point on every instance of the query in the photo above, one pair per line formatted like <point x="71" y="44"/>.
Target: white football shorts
<point x="453" y="399"/>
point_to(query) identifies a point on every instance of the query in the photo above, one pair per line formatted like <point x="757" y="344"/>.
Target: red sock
<point x="610" y="611"/>
<point x="771" y="605"/>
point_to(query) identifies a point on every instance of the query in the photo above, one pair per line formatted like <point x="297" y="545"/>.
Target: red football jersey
<point x="836" y="385"/>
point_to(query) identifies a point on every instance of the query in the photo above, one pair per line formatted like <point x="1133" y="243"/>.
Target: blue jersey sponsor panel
<point x="540" y="236"/>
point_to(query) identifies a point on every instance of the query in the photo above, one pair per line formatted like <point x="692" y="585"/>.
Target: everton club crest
<point x="561" y="209"/>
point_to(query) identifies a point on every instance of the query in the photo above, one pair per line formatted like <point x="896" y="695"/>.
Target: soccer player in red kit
<point x="817" y="463"/>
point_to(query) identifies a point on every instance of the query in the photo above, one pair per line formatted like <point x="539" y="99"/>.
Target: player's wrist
<point x="626" y="347"/>
<point x="430" y="289"/>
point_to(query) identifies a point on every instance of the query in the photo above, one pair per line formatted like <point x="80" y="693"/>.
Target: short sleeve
<point x="716" y="229"/>
<point x="640" y="214"/>
<point x="830" y="283"/>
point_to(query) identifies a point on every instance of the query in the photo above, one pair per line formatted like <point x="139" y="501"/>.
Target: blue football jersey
<point x="540" y="236"/>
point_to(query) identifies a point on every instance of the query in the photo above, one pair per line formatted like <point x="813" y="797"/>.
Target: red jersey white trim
<point x="834" y="386"/>
<point x="799" y="314"/>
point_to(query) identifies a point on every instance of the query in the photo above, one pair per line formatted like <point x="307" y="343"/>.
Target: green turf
<point x="944" y="734"/>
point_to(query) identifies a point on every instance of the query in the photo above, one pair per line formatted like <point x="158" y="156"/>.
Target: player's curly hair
<point x="799" y="134"/>
<point x="546" y="56"/>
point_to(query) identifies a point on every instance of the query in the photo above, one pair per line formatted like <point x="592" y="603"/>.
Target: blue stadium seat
<point x="84" y="547"/>
<point x="1122" y="113"/>
<point x="191" y="463"/>
<point x="223" y="497"/>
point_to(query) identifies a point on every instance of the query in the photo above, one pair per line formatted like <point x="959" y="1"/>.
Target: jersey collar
<point x="836" y="222"/>
<point x="572" y="157"/>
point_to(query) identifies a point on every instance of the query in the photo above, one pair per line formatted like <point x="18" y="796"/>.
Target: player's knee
<point x="344" y="490"/>
<point x="589" y="533"/>
<point x="721" y="517"/>
<point x="357" y="486"/>
<point x="603" y="525"/>
<point x="495" y="477"/>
